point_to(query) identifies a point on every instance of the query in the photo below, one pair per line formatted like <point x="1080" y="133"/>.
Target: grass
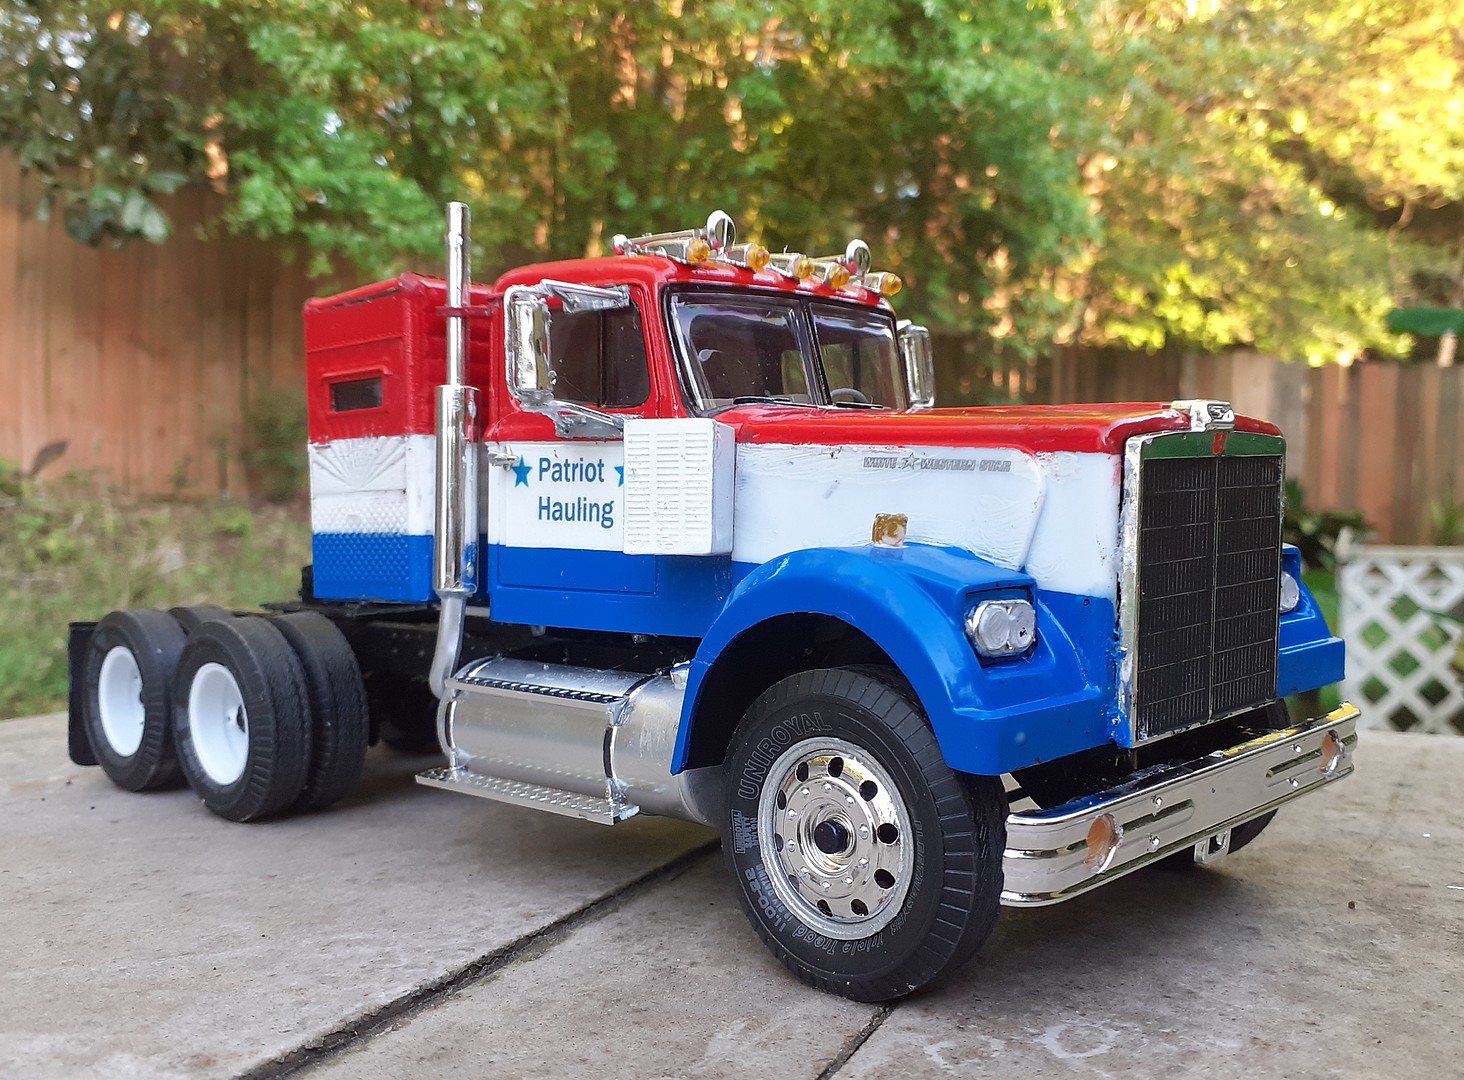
<point x="75" y="550"/>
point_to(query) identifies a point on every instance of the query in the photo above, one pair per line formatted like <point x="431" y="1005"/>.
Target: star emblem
<point x="621" y="470"/>
<point x="521" y="473"/>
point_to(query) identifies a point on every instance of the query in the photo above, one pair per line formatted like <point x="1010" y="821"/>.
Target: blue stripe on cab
<point x="671" y="595"/>
<point x="373" y="566"/>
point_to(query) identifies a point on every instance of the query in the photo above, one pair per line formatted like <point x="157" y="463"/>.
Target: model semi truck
<point x="678" y="531"/>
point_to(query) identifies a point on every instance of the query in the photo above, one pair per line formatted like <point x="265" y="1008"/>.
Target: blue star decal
<point x="621" y="470"/>
<point x="521" y="473"/>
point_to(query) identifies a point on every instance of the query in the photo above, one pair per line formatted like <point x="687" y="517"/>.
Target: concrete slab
<point x="1333" y="946"/>
<point x="132" y="935"/>
<point x="672" y="983"/>
<point x="1330" y="947"/>
<point x="143" y="936"/>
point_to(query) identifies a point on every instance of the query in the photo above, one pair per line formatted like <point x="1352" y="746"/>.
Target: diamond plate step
<point x="568" y="803"/>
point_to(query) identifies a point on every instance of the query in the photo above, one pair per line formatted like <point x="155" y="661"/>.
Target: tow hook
<point x="1213" y="848"/>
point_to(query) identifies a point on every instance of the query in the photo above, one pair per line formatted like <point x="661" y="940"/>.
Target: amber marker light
<point x="1103" y="838"/>
<point x="884" y="283"/>
<point x="792" y="264"/>
<point x="834" y="275"/>
<point x="749" y="256"/>
<point x="698" y="251"/>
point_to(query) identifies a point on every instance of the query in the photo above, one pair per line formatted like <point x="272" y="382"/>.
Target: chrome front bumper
<point x="1166" y="810"/>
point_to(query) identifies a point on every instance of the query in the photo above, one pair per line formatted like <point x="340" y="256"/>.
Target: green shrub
<point x="75" y="550"/>
<point x="1315" y="532"/>
<point x="274" y="455"/>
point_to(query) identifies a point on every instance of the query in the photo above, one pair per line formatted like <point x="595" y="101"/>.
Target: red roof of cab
<point x="653" y="271"/>
<point x="1033" y="428"/>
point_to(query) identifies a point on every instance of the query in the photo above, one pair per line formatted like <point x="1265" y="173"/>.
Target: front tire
<point x="866" y="864"/>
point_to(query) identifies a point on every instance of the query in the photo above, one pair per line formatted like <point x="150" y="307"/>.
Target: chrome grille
<point x="1207" y="540"/>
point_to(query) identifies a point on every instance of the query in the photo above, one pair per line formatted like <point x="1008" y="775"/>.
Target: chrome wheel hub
<point x="836" y="837"/>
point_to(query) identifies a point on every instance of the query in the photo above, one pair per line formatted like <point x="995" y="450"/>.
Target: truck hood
<point x="1029" y="428"/>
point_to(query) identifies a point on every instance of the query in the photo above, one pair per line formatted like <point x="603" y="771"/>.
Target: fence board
<point x="140" y="358"/>
<point x="144" y="359"/>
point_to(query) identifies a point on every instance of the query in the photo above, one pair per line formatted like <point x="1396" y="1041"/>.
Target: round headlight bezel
<point x="1002" y="628"/>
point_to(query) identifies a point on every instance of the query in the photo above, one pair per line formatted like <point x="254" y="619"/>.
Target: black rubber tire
<point x="271" y="685"/>
<point x="958" y="826"/>
<point x="155" y="642"/>
<point x="190" y="617"/>
<point x="339" y="720"/>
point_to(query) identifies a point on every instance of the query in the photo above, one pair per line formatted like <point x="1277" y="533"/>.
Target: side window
<point x="600" y="358"/>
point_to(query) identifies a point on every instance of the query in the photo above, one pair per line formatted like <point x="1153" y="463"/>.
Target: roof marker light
<point x="792" y="264"/>
<point x="691" y="246"/>
<point x="748" y="256"/>
<point x="883" y="283"/>
<point x="836" y="271"/>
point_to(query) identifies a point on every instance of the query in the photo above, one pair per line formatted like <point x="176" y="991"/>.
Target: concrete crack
<point x="854" y="1042"/>
<point x="362" y="1029"/>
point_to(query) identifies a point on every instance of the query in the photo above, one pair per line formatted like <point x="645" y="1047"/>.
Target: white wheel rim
<point x="119" y="701"/>
<point x="218" y="723"/>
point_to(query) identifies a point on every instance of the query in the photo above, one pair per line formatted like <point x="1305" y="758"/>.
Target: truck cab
<point x="680" y="532"/>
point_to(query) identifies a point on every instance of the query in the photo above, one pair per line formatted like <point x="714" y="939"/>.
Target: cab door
<point x="556" y="505"/>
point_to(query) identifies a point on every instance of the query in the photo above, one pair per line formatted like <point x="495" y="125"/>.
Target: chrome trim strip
<point x="1163" y="811"/>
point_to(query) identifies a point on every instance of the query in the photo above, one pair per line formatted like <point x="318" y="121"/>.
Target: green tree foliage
<point x="349" y="124"/>
<point x="1260" y="167"/>
<point x="1137" y="171"/>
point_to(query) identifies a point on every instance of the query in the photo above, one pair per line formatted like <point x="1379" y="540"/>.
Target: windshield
<point x="745" y="347"/>
<point x="861" y="361"/>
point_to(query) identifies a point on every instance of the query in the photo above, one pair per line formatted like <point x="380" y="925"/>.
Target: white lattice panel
<point x="1399" y="651"/>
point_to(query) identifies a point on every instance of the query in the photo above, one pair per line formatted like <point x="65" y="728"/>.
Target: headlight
<point x="1290" y="592"/>
<point x="1002" y="627"/>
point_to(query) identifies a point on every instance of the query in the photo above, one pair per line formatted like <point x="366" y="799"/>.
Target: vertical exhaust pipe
<point x="455" y="521"/>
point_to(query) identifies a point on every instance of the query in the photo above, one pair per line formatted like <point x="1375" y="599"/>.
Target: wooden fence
<point x="142" y="360"/>
<point x="1381" y="438"/>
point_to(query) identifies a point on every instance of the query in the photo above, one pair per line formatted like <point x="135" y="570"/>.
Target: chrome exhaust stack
<point x="455" y="521"/>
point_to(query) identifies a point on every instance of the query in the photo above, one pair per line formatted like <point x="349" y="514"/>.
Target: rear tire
<point x="865" y="864"/>
<point x="189" y="618"/>
<point x="339" y="720"/>
<point x="241" y="718"/>
<point x="127" y="702"/>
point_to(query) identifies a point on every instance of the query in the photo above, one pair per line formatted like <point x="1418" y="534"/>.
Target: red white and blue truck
<point x="679" y="531"/>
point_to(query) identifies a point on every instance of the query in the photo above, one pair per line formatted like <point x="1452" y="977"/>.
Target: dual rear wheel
<point x="259" y="716"/>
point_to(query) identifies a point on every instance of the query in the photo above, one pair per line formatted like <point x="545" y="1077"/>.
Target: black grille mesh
<point x="1209" y="574"/>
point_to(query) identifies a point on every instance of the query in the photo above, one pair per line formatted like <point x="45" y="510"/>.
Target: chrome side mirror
<point x="527" y="321"/>
<point x="530" y="370"/>
<point x="919" y="364"/>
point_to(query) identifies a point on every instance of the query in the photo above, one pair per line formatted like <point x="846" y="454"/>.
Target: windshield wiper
<point x="771" y="399"/>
